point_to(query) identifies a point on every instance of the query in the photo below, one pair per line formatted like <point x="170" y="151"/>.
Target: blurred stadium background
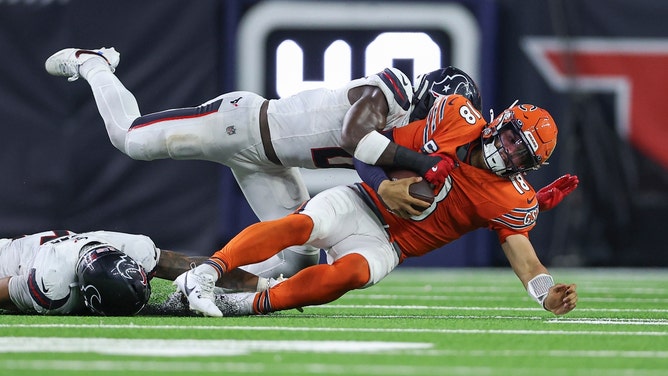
<point x="599" y="66"/>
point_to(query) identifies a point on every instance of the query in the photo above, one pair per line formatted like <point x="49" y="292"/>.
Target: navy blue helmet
<point x="111" y="282"/>
<point x="444" y="81"/>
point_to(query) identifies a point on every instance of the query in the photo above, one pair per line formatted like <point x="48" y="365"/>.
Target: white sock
<point x="207" y="269"/>
<point x="92" y="66"/>
<point x="265" y="283"/>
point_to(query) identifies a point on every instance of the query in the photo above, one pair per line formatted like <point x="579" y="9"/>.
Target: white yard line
<point x="195" y="347"/>
<point x="255" y="368"/>
<point x="487" y="298"/>
<point x="151" y="367"/>
<point x="470" y="308"/>
<point x="352" y="330"/>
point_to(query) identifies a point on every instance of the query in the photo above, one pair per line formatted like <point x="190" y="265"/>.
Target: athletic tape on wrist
<point x="539" y="286"/>
<point x="370" y="147"/>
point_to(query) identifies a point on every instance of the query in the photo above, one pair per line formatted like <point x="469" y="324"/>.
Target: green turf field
<point x="415" y="322"/>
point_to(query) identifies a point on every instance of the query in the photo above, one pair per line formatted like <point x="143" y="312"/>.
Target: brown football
<point x="422" y="190"/>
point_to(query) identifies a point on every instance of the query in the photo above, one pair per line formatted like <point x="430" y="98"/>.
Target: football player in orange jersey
<point x="307" y="130"/>
<point x="365" y="240"/>
<point x="264" y="141"/>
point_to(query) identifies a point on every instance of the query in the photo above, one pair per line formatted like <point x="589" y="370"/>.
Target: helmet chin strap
<point x="493" y="159"/>
<point x="491" y="154"/>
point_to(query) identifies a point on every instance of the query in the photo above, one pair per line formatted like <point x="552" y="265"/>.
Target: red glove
<point x="437" y="174"/>
<point x="552" y="194"/>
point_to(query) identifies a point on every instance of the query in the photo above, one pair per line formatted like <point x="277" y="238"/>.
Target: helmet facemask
<point x="507" y="149"/>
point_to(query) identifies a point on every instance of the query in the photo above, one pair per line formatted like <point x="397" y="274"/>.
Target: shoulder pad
<point x="399" y="85"/>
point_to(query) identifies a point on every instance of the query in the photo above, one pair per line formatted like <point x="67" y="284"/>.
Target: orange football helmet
<point x="522" y="138"/>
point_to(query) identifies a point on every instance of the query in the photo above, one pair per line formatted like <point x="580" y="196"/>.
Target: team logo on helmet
<point x="111" y="282"/>
<point x="442" y="82"/>
<point x="456" y="83"/>
<point x="92" y="296"/>
<point x="128" y="268"/>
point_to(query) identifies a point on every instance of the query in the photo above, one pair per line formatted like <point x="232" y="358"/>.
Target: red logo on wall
<point x="633" y="69"/>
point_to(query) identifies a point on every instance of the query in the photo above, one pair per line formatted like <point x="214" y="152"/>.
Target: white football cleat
<point x="239" y="304"/>
<point x="198" y="288"/>
<point x="66" y="62"/>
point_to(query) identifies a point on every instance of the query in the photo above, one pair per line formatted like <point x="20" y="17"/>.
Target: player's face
<point x="515" y="151"/>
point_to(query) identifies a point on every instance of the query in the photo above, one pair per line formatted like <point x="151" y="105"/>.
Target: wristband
<point x="371" y="147"/>
<point x="539" y="286"/>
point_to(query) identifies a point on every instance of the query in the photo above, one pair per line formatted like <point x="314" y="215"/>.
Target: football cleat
<point x="198" y="288"/>
<point x="239" y="304"/>
<point x="66" y="62"/>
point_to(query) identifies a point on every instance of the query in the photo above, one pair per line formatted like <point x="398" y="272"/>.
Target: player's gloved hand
<point x="552" y="194"/>
<point x="440" y="169"/>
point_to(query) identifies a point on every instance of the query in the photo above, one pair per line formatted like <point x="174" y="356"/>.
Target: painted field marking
<point x="252" y="368"/>
<point x="610" y="321"/>
<point x="469" y="308"/>
<point x="256" y="368"/>
<point x="547" y="353"/>
<point x="352" y="330"/>
<point x="494" y="298"/>
<point x="194" y="347"/>
<point x="514" y="289"/>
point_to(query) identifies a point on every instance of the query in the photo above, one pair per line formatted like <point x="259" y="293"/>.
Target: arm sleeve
<point x="372" y="175"/>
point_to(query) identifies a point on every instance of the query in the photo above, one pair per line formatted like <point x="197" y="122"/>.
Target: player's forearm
<point x="172" y="264"/>
<point x="527" y="271"/>
<point x="522" y="258"/>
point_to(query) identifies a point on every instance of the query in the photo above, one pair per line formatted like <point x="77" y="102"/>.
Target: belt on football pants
<point x="265" y="135"/>
<point x="369" y="202"/>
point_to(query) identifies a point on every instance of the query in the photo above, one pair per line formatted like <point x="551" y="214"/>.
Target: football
<point x="422" y="190"/>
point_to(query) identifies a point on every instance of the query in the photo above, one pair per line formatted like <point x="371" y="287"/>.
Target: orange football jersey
<point x="471" y="198"/>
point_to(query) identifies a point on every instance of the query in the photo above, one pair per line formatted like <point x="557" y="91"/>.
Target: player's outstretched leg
<point x="67" y="62"/>
<point x="198" y="288"/>
<point x="238" y="304"/>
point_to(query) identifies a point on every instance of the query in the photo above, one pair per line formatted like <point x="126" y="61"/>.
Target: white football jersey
<point x="42" y="266"/>
<point x="306" y="127"/>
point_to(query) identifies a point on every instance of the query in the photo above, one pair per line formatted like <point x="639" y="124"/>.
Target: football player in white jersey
<point x="61" y="272"/>
<point x="265" y="141"/>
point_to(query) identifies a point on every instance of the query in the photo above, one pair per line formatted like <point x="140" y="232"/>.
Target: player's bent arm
<point x="394" y="194"/>
<point x="366" y="116"/>
<point x="172" y="264"/>
<point x="5" y="301"/>
<point x="557" y="298"/>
